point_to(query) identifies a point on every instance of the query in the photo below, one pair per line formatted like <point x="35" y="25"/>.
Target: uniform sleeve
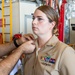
<point x="67" y="63"/>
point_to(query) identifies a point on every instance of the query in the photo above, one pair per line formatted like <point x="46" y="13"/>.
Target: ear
<point x="52" y="24"/>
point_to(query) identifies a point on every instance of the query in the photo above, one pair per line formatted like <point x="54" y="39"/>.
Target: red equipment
<point x="16" y="36"/>
<point x="61" y="21"/>
<point x="61" y="17"/>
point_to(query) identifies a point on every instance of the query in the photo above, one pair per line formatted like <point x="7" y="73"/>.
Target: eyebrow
<point x="37" y="16"/>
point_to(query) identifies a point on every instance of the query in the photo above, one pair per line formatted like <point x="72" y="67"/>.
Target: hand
<point x="27" y="47"/>
<point x="28" y="37"/>
<point x="24" y="38"/>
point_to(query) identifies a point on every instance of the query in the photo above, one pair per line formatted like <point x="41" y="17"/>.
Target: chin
<point x="35" y="32"/>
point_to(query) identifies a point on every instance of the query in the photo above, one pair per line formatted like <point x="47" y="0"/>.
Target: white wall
<point x="26" y="8"/>
<point x="16" y="18"/>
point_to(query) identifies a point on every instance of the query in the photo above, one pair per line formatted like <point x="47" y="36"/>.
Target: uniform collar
<point x="52" y="42"/>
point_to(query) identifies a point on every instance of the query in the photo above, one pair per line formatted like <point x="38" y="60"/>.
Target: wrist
<point x="16" y="42"/>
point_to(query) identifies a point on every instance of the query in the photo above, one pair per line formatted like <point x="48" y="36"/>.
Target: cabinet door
<point x="72" y="30"/>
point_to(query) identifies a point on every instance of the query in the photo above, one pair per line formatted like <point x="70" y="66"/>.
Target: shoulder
<point x="65" y="50"/>
<point x="67" y="61"/>
<point x="66" y="47"/>
<point x="69" y="51"/>
<point x="67" y="56"/>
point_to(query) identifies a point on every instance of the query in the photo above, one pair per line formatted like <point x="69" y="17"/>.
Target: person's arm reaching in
<point x="8" y="47"/>
<point x="7" y="64"/>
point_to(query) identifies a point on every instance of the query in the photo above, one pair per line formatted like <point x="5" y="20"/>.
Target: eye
<point x="39" y="19"/>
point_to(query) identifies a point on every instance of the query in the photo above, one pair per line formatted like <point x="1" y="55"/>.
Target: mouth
<point x="34" y="28"/>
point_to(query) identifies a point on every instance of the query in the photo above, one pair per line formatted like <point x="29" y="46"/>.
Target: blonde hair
<point x="52" y="16"/>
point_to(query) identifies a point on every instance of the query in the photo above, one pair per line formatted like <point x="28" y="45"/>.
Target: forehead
<point x="39" y="13"/>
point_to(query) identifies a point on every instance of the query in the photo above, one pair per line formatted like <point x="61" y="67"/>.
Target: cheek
<point x="44" y="28"/>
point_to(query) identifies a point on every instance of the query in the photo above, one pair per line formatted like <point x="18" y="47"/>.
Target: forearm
<point x="7" y="64"/>
<point x="6" y="48"/>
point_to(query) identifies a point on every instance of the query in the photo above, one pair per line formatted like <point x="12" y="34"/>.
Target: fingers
<point x="28" y="47"/>
<point x="25" y="38"/>
<point x="28" y="37"/>
<point x="31" y="42"/>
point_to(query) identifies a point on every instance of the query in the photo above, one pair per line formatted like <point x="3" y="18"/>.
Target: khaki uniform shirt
<point x="55" y="58"/>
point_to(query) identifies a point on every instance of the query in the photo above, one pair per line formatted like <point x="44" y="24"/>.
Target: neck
<point x="43" y="39"/>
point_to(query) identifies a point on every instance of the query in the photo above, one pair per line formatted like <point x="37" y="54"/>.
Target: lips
<point x="34" y="28"/>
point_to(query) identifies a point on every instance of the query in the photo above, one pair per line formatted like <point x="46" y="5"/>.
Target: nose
<point x="34" y="22"/>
